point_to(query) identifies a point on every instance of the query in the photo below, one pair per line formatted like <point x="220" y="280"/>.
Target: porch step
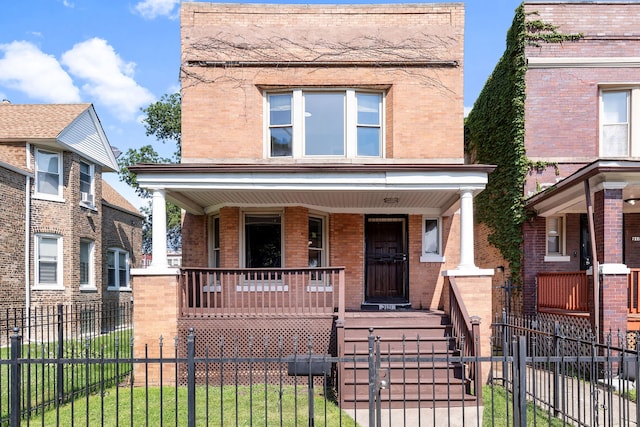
<point x="420" y="374"/>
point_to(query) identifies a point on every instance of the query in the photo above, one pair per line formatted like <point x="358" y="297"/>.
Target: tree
<point x="163" y="120"/>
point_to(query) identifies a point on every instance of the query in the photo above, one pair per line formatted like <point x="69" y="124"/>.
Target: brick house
<point x="567" y="97"/>
<point x="322" y="175"/>
<point x="67" y="236"/>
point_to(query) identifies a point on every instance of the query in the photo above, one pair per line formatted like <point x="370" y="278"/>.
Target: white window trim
<point x="431" y="257"/>
<point x="556" y="257"/>
<point x="92" y="191"/>
<point x="297" y="123"/>
<point x="118" y="287"/>
<point x="59" y="285"/>
<point x="45" y="196"/>
<point x="92" y="280"/>
<point x="633" y="106"/>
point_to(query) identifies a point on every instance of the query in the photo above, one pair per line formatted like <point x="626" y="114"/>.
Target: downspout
<point x="594" y="255"/>
<point x="27" y="237"/>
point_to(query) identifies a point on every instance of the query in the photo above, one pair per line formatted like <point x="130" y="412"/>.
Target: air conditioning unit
<point x="86" y="198"/>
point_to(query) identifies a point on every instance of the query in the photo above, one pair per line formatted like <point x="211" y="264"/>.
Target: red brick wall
<point x="561" y="119"/>
<point x="195" y="238"/>
<point x="414" y="130"/>
<point x="12" y="235"/>
<point x="229" y="237"/>
<point x="346" y="240"/>
<point x="296" y="233"/>
<point x="121" y="230"/>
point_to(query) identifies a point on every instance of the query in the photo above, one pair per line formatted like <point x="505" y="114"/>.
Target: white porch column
<point x="467" y="261"/>
<point x="159" y="230"/>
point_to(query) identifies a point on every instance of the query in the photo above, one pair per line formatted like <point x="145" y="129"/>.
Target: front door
<point x="386" y="260"/>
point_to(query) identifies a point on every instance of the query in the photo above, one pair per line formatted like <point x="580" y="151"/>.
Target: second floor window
<point x="619" y="135"/>
<point x="86" y="183"/>
<point x="340" y="123"/>
<point x="48" y="173"/>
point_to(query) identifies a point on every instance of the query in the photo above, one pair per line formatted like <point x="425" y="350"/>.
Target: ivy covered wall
<point x="494" y="134"/>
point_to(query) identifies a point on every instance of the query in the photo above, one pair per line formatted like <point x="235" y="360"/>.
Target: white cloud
<point x="151" y="9"/>
<point x="109" y="79"/>
<point x="27" y="69"/>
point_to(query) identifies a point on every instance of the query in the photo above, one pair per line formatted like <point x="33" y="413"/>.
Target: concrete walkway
<point x="426" y="417"/>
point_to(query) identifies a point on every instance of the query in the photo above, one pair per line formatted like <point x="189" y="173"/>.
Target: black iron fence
<point x="52" y="355"/>
<point x="539" y="374"/>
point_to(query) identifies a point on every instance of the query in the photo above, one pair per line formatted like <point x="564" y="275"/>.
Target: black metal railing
<point x="529" y="384"/>
<point x="51" y="341"/>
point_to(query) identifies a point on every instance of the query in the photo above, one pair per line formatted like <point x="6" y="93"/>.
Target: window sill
<point x="88" y="206"/>
<point x="557" y="258"/>
<point x="262" y="288"/>
<point x="432" y="258"/>
<point x="48" y="197"/>
<point x="127" y="289"/>
<point x="88" y="288"/>
<point x="48" y="288"/>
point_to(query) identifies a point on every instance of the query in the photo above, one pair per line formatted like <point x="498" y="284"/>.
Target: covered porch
<point x="581" y="247"/>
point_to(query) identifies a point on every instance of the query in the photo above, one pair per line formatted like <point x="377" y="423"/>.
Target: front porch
<point x="571" y="294"/>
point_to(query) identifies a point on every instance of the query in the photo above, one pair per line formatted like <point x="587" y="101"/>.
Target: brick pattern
<point x="346" y="240"/>
<point x="239" y="32"/>
<point x="12" y="224"/>
<point x="120" y="229"/>
<point x="194" y="244"/>
<point x="68" y="219"/>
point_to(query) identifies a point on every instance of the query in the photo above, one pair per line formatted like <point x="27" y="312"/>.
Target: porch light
<point x="632" y="201"/>
<point x="391" y="200"/>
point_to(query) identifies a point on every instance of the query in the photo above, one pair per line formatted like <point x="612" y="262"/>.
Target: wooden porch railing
<point x="567" y="291"/>
<point x="219" y="292"/>
<point x="466" y="329"/>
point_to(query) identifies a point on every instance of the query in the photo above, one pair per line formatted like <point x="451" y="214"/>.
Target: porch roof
<point x="568" y="195"/>
<point x="372" y="188"/>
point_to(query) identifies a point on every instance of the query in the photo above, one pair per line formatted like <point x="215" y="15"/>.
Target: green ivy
<point x="494" y="134"/>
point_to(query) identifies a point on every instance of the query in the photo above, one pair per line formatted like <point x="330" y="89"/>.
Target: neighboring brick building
<point x="576" y="119"/>
<point x="67" y="236"/>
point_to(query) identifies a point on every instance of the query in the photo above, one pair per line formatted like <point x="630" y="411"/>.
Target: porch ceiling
<point x="426" y="189"/>
<point x="568" y="195"/>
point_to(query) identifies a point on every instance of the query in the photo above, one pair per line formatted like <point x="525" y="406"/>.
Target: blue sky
<point x="122" y="55"/>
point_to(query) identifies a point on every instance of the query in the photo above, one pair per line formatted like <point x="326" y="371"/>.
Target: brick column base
<point x="155" y="314"/>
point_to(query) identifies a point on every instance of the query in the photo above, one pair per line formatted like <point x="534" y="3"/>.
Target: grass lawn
<point x="257" y="406"/>
<point x="497" y="402"/>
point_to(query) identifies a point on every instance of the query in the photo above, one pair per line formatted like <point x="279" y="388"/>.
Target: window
<point x="48" y="254"/>
<point x="342" y="123"/>
<point x="618" y="137"/>
<point x="48" y="174"/>
<point x="316" y="242"/>
<point x="555" y="239"/>
<point x="86" y="263"/>
<point x="431" y="240"/>
<point x="215" y="242"/>
<point x="86" y="183"/>
<point x="117" y="269"/>
<point x="263" y="241"/>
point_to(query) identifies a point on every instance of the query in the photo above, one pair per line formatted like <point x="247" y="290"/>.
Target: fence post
<point x="555" y="369"/>
<point x="191" y="379"/>
<point x="60" y="355"/>
<point x="505" y="349"/>
<point x="16" y="380"/>
<point x="372" y="380"/>
<point x="520" y="382"/>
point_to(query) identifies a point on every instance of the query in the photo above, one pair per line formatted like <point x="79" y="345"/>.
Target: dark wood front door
<point x="386" y="260"/>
